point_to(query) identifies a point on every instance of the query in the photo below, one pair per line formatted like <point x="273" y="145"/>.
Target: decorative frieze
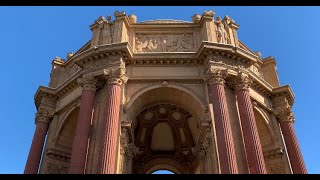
<point x="227" y="59"/>
<point x="164" y="42"/>
<point x="71" y="70"/>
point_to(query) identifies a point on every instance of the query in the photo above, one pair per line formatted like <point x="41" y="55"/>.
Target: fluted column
<point x="108" y="155"/>
<point x="43" y="118"/>
<point x="227" y="156"/>
<point x="286" y="119"/>
<point x="251" y="138"/>
<point x="80" y="142"/>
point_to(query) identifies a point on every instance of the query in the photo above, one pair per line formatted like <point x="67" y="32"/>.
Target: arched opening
<point x="67" y="131"/>
<point x="165" y="127"/>
<point x="162" y="171"/>
<point x="264" y="130"/>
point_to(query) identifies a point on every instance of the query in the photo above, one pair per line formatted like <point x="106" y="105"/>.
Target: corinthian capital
<point x="44" y="115"/>
<point x="216" y="76"/>
<point x="243" y="81"/>
<point x="88" y="82"/>
<point x="285" y="115"/>
<point x="116" y="76"/>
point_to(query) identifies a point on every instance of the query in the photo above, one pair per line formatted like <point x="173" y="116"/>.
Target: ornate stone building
<point x="188" y="97"/>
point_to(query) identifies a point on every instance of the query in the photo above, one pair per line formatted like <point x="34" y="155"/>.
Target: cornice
<point x="286" y="91"/>
<point x="227" y="50"/>
<point x="41" y="92"/>
<point x="101" y="51"/>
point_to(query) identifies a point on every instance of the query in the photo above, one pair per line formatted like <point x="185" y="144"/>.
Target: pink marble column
<point x="286" y="123"/>
<point x="80" y="142"/>
<point x="42" y="123"/>
<point x="108" y="153"/>
<point x="227" y="156"/>
<point x="251" y="138"/>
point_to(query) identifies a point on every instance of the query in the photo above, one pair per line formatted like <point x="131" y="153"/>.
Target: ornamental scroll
<point x="164" y="43"/>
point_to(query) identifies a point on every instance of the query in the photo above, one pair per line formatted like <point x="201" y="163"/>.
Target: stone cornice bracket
<point x="88" y="82"/>
<point x="282" y="109"/>
<point x="116" y="76"/>
<point x="216" y="75"/>
<point x="44" y="115"/>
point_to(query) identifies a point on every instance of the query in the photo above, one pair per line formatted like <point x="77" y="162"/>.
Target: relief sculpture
<point x="164" y="43"/>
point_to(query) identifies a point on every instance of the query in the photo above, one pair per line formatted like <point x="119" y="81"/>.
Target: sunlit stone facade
<point x="188" y="97"/>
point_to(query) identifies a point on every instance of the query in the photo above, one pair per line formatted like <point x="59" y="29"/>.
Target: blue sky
<point x="30" y="37"/>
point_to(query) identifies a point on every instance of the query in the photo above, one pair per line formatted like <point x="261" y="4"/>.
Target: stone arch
<point x="266" y="134"/>
<point x="174" y="85"/>
<point x="197" y="103"/>
<point x="66" y="129"/>
<point x="163" y="164"/>
<point x="169" y="108"/>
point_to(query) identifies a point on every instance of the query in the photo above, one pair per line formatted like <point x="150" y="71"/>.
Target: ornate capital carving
<point x="280" y="101"/>
<point x="88" y="82"/>
<point x="116" y="76"/>
<point x="285" y="115"/>
<point x="44" y="115"/>
<point x="242" y="81"/>
<point x="127" y="148"/>
<point x="216" y="76"/>
<point x="201" y="149"/>
<point x="282" y="109"/>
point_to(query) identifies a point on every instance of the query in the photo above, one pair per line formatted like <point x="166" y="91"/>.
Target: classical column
<point x="43" y="118"/>
<point x="251" y="138"/>
<point x="227" y="156"/>
<point x="80" y="142"/>
<point x="286" y="120"/>
<point x="108" y="155"/>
